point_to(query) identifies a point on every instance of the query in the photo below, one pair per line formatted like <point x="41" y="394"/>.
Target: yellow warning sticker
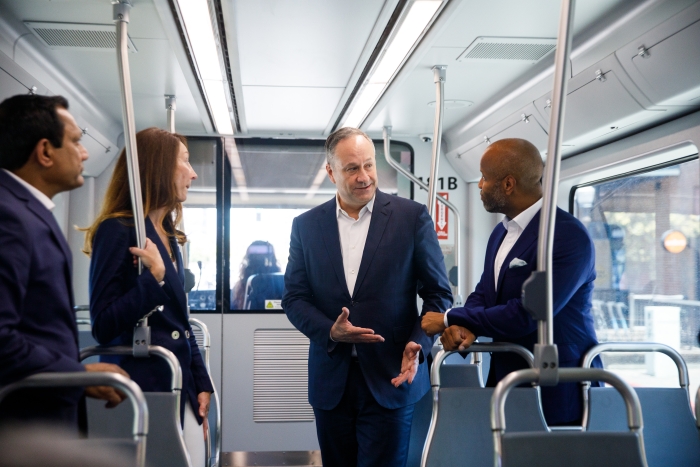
<point x="273" y="304"/>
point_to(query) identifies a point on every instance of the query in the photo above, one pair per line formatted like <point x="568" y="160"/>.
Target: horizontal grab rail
<point x="479" y="347"/>
<point x="84" y="379"/>
<point x="594" y="351"/>
<point x="162" y="352"/>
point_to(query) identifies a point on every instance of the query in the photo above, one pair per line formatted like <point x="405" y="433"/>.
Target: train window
<point x="200" y="223"/>
<point x="646" y="231"/>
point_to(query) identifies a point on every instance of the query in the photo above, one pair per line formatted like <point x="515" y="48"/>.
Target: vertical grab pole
<point x="551" y="176"/>
<point x="121" y="18"/>
<point x="170" y="107"/>
<point x="439" y="73"/>
<point x="417" y="181"/>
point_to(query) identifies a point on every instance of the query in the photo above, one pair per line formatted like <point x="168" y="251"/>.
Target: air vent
<point x="77" y="36"/>
<point x="280" y="376"/>
<point x="508" y="48"/>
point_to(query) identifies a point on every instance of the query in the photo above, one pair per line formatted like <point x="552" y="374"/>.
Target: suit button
<point x="187" y="334"/>
<point x="175" y="335"/>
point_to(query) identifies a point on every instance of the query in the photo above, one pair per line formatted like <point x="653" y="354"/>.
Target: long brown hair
<point x="157" y="151"/>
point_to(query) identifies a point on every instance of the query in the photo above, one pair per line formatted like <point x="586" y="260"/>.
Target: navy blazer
<point x="499" y="313"/>
<point x="119" y="297"/>
<point x="37" y="323"/>
<point x="401" y="256"/>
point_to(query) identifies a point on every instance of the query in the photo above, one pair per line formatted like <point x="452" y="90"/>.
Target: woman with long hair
<point x="259" y="259"/>
<point x="120" y="297"/>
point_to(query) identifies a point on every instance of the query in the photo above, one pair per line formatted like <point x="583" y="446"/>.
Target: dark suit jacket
<point x="119" y="297"/>
<point x="401" y="256"/>
<point x="499" y="313"/>
<point x="37" y="323"/>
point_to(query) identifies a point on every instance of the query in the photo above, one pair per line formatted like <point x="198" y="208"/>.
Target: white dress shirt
<point x="353" y="236"/>
<point x="515" y="228"/>
<point x="43" y="199"/>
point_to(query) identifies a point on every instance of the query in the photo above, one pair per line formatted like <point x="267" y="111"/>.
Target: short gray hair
<point x="337" y="136"/>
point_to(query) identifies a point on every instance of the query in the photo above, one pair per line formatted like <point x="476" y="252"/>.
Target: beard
<point x="494" y="202"/>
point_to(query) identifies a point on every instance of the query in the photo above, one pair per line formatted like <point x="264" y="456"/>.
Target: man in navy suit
<point x="355" y="265"/>
<point x="40" y="156"/>
<point x="511" y="184"/>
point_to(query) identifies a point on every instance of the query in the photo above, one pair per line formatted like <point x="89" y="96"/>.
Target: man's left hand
<point x="204" y="398"/>
<point x="433" y="323"/>
<point x="409" y="364"/>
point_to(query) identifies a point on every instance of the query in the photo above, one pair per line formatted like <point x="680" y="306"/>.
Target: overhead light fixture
<point x="419" y="16"/>
<point x="200" y="32"/>
<point x="236" y="167"/>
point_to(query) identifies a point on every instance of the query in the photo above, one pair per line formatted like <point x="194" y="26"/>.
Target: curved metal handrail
<point x="683" y="378"/>
<point x="162" y="352"/>
<point x="697" y="408"/>
<point x="83" y="321"/>
<point x="206" y="343"/>
<point x="498" y="400"/>
<point x="435" y="379"/>
<point x="417" y="181"/>
<point x="80" y="378"/>
<point x="594" y="351"/>
<point x="478" y="347"/>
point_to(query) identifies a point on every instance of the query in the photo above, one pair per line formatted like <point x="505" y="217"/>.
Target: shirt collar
<point x="523" y="219"/>
<point x="367" y="207"/>
<point x="43" y="199"/>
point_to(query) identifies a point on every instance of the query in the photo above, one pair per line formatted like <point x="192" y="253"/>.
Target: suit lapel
<point x="172" y="279"/>
<point x="331" y="238"/>
<point x="47" y="217"/>
<point x="525" y="241"/>
<point x="380" y="218"/>
<point x="500" y="234"/>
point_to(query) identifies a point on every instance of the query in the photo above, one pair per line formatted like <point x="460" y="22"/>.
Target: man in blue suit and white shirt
<point x="40" y="156"/>
<point x="511" y="184"/>
<point x="355" y="265"/>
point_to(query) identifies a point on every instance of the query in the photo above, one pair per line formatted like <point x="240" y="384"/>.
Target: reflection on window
<point x="259" y="254"/>
<point x="646" y="228"/>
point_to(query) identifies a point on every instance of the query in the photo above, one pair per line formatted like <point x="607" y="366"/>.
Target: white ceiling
<point x="476" y="81"/>
<point x="296" y="58"/>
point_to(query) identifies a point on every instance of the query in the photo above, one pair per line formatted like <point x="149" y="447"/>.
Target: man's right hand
<point x="457" y="338"/>
<point x="107" y="393"/>
<point x="344" y="331"/>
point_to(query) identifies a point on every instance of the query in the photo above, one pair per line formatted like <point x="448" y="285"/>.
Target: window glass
<point x="273" y="182"/>
<point x="199" y="222"/>
<point x="645" y="228"/>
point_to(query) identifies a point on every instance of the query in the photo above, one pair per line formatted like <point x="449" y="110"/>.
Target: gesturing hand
<point x="344" y="331"/>
<point x="151" y="259"/>
<point x="457" y="338"/>
<point x="409" y="364"/>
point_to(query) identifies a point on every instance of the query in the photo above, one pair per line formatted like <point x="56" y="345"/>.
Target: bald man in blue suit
<point x="40" y="156"/>
<point x="355" y="266"/>
<point x="511" y="184"/>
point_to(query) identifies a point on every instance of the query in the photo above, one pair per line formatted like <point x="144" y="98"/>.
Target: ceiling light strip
<point x="237" y="168"/>
<point x="419" y="15"/>
<point x="318" y="180"/>
<point x="197" y="19"/>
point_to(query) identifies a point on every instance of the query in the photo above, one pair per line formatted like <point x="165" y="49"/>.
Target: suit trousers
<point x="360" y="432"/>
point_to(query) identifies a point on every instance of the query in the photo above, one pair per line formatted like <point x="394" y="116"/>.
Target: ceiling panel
<point x="477" y="80"/>
<point x="289" y="108"/>
<point x="304" y="42"/>
<point x="409" y="112"/>
<point x="154" y="69"/>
